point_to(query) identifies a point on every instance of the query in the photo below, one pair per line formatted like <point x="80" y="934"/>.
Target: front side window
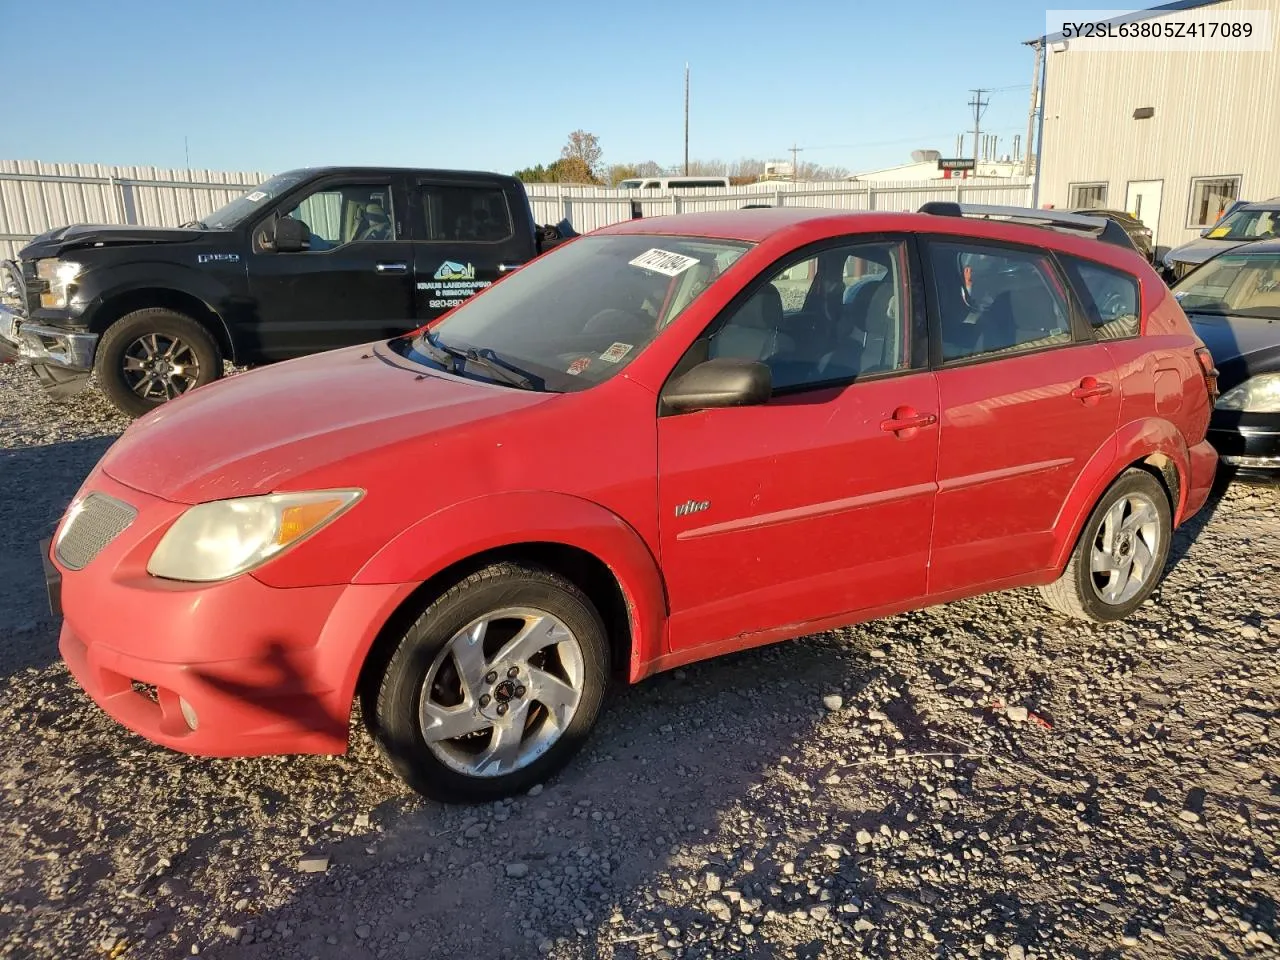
<point x="836" y="316"/>
<point x="349" y="213"/>
<point x="1088" y="195"/>
<point x="1109" y="297"/>
<point x="994" y="301"/>
<point x="1210" y="197"/>
<point x="1234" y="284"/>
<point x="576" y="316"/>
<point x="1248" y="225"/>
<point x="462" y="213"/>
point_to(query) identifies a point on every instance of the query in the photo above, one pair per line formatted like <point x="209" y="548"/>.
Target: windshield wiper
<point x="484" y="358"/>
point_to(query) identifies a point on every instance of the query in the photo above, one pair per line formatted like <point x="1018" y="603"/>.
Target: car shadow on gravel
<point x="36" y="483"/>
<point x="669" y="758"/>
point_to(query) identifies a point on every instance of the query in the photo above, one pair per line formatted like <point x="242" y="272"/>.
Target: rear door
<point x="467" y="234"/>
<point x="1027" y="398"/>
<point x="353" y="285"/>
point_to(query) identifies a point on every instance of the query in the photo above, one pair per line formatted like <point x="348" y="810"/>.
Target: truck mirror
<point x="290" y="235"/>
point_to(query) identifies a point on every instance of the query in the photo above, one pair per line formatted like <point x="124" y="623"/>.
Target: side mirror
<point x="1206" y="231"/>
<point x="290" y="236"/>
<point x="724" y="382"/>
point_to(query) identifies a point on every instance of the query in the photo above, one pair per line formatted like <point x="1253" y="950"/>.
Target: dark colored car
<point x="1246" y="223"/>
<point x="310" y="260"/>
<point x="1233" y="302"/>
<point x="1138" y="232"/>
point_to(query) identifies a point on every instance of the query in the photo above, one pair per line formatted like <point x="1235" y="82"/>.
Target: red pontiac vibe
<point x="664" y="441"/>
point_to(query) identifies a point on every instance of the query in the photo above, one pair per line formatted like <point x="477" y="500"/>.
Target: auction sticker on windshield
<point x="616" y="352"/>
<point x="664" y="262"/>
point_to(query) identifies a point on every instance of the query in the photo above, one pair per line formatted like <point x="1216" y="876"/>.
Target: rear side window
<point x="994" y="301"/>
<point x="1109" y="297"/>
<point x="463" y="213"/>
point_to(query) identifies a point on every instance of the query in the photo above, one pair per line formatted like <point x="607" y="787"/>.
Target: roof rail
<point x="1105" y="229"/>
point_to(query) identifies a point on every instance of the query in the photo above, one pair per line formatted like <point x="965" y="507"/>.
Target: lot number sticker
<point x="616" y="352"/>
<point x="664" y="262"/>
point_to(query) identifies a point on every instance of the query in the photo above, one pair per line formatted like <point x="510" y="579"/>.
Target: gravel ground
<point x="977" y="780"/>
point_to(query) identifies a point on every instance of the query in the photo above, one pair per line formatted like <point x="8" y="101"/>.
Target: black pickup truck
<point x="310" y="260"/>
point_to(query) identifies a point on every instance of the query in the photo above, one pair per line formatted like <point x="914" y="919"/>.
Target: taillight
<point x="1210" y="373"/>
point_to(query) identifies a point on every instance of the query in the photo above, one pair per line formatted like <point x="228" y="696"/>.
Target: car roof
<point x="808" y="224"/>
<point x="416" y="171"/>
<point x="1272" y="204"/>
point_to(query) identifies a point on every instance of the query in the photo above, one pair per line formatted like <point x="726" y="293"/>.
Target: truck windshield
<point x="1234" y="285"/>
<point x="1247" y="225"/>
<point x="576" y="316"/>
<point x="229" y="215"/>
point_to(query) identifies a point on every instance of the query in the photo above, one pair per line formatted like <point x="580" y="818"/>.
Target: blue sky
<point x="498" y="85"/>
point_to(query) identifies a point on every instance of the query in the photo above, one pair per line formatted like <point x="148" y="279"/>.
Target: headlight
<point x="1260" y="394"/>
<point x="60" y="275"/>
<point x="225" y="538"/>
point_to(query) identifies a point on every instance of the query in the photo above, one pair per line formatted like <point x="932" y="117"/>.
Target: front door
<point x="1142" y="200"/>
<point x="465" y="240"/>
<point x="353" y="285"/>
<point x="1027" y="398"/>
<point x="819" y="502"/>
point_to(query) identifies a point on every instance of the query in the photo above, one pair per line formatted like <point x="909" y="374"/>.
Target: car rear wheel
<point x="494" y="687"/>
<point x="1121" y="552"/>
<point x="151" y="356"/>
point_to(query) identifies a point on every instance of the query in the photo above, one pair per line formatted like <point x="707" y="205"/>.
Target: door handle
<point x="397" y="267"/>
<point x="1091" y="388"/>
<point x="904" y="421"/>
<point x="508" y="267"/>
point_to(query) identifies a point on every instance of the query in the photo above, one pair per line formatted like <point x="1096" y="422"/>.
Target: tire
<point x="160" y="336"/>
<point x="432" y="686"/>
<point x="1086" y="590"/>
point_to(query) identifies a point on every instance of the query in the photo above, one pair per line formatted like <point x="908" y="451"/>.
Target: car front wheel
<point x="153" y="355"/>
<point x="1121" y="552"/>
<point x="494" y="687"/>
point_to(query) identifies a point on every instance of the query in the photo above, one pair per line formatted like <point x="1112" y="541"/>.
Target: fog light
<point x="189" y="714"/>
<point x="1251" y="462"/>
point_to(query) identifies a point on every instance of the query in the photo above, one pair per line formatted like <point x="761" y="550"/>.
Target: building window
<point x="1088" y="196"/>
<point x="1210" y="197"/>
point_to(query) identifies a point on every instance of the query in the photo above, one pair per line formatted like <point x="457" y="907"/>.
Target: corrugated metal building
<point x="1172" y="136"/>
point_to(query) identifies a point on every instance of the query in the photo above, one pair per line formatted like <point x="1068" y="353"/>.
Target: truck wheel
<point x="153" y="355"/>
<point x="494" y="687"/>
<point x="1120" y="555"/>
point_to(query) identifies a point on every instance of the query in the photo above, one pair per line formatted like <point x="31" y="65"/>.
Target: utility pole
<point x="979" y="108"/>
<point x="186" y="149"/>
<point x="795" y="165"/>
<point x="686" y="118"/>
<point x="1033" y="108"/>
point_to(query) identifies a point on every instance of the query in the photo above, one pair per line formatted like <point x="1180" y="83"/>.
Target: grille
<point x="98" y="521"/>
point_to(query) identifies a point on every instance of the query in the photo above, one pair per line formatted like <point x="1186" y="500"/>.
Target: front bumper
<point x="37" y="343"/>
<point x="235" y="668"/>
<point x="1250" y="442"/>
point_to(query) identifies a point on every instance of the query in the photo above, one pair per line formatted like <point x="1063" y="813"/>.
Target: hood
<point x="1241" y="346"/>
<point x="1198" y="251"/>
<point x="54" y="242"/>
<point x="267" y="429"/>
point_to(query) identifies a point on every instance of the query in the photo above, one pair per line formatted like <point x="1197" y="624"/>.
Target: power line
<point x="795" y="165"/>
<point x="979" y="108"/>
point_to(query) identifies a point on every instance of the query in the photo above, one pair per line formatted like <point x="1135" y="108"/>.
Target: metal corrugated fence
<point x="35" y="197"/>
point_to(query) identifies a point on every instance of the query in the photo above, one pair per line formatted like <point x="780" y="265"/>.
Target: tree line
<point x="581" y="162"/>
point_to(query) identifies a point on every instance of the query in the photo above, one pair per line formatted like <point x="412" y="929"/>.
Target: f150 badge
<point x="207" y="257"/>
<point x="692" y="506"/>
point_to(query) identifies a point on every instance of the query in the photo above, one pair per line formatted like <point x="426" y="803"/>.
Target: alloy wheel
<point x="1122" y="559"/>
<point x="160" y="367"/>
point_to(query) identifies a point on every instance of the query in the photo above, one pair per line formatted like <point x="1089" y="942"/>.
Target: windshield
<point x="1233" y="284"/>
<point x="629" y="184"/>
<point x="1247" y="225"/>
<point x="243" y="206"/>
<point x="575" y="317"/>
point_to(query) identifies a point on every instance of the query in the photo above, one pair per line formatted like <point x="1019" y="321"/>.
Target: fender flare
<point x="1133" y="443"/>
<point x="465" y="529"/>
<point x="131" y="278"/>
